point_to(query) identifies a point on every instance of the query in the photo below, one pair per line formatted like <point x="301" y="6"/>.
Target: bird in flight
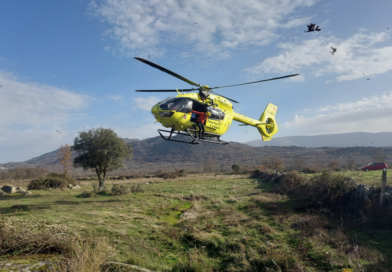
<point x="311" y="28"/>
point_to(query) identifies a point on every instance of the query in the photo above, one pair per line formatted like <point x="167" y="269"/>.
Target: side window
<point x="186" y="106"/>
<point x="216" y="114"/>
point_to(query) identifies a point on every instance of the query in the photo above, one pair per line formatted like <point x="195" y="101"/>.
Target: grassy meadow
<point x="225" y="223"/>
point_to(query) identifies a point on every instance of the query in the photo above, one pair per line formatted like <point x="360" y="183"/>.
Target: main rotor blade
<point x="225" y="97"/>
<point x="166" y="91"/>
<point x="255" y="81"/>
<point x="168" y="71"/>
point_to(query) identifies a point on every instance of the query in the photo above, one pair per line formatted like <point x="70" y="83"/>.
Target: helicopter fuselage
<point x="176" y="112"/>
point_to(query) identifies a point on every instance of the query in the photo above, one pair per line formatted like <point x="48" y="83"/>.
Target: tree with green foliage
<point x="101" y="150"/>
<point x="236" y="168"/>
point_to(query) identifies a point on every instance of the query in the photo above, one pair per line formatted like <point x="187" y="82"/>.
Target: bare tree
<point x="351" y="163"/>
<point x="209" y="166"/>
<point x="298" y="161"/>
<point x="65" y="155"/>
<point x="333" y="165"/>
<point x="273" y="162"/>
<point x="378" y="155"/>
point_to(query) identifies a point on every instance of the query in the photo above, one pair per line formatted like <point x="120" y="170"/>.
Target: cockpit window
<point x="216" y="114"/>
<point x="171" y="104"/>
<point x="177" y="104"/>
<point x="186" y="106"/>
<point x="164" y="101"/>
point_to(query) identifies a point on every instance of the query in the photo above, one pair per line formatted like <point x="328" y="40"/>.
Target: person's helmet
<point x="208" y="114"/>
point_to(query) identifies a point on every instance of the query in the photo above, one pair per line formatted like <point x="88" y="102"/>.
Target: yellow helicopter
<point x="177" y="113"/>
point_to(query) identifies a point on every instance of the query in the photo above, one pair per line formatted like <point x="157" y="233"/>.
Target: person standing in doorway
<point x="200" y="121"/>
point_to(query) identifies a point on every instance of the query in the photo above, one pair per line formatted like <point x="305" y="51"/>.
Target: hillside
<point x="155" y="153"/>
<point x="332" y="140"/>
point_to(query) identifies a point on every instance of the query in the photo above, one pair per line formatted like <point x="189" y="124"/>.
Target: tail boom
<point x="266" y="125"/>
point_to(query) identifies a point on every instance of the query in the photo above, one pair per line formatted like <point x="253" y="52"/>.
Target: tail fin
<point x="269" y="126"/>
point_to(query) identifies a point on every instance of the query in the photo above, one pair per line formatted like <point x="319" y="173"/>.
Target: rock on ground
<point x="9" y="189"/>
<point x="25" y="265"/>
<point x="74" y="187"/>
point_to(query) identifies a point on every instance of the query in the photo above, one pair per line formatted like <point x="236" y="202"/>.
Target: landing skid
<point x="193" y="134"/>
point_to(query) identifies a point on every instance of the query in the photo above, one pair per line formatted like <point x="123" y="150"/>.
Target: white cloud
<point x="30" y="115"/>
<point x="373" y="114"/>
<point x="35" y="104"/>
<point x="22" y="144"/>
<point x="356" y="57"/>
<point x="144" y="27"/>
<point x="115" y="97"/>
<point x="106" y="48"/>
<point x="146" y="103"/>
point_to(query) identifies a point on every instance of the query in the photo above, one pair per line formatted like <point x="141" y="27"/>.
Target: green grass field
<point x="228" y="225"/>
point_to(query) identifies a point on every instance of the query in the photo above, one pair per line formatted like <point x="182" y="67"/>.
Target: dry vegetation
<point x="225" y="224"/>
<point x="68" y="252"/>
<point x="52" y="180"/>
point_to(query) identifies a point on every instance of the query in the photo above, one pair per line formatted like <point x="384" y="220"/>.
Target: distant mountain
<point x="381" y="139"/>
<point x="154" y="153"/>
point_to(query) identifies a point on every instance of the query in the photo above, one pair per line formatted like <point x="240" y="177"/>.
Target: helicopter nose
<point x="154" y="111"/>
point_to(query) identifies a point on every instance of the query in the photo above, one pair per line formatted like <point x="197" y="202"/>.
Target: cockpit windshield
<point x="177" y="104"/>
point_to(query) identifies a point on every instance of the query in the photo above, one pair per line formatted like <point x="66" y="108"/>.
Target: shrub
<point x="326" y="190"/>
<point x="236" y="168"/>
<point x="329" y="189"/>
<point x="171" y="175"/>
<point x="290" y="182"/>
<point x="52" y="180"/>
<point x="120" y="189"/>
<point x="137" y="189"/>
<point x="86" y="194"/>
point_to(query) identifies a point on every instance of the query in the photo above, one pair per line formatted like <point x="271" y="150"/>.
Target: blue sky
<point x="67" y="66"/>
